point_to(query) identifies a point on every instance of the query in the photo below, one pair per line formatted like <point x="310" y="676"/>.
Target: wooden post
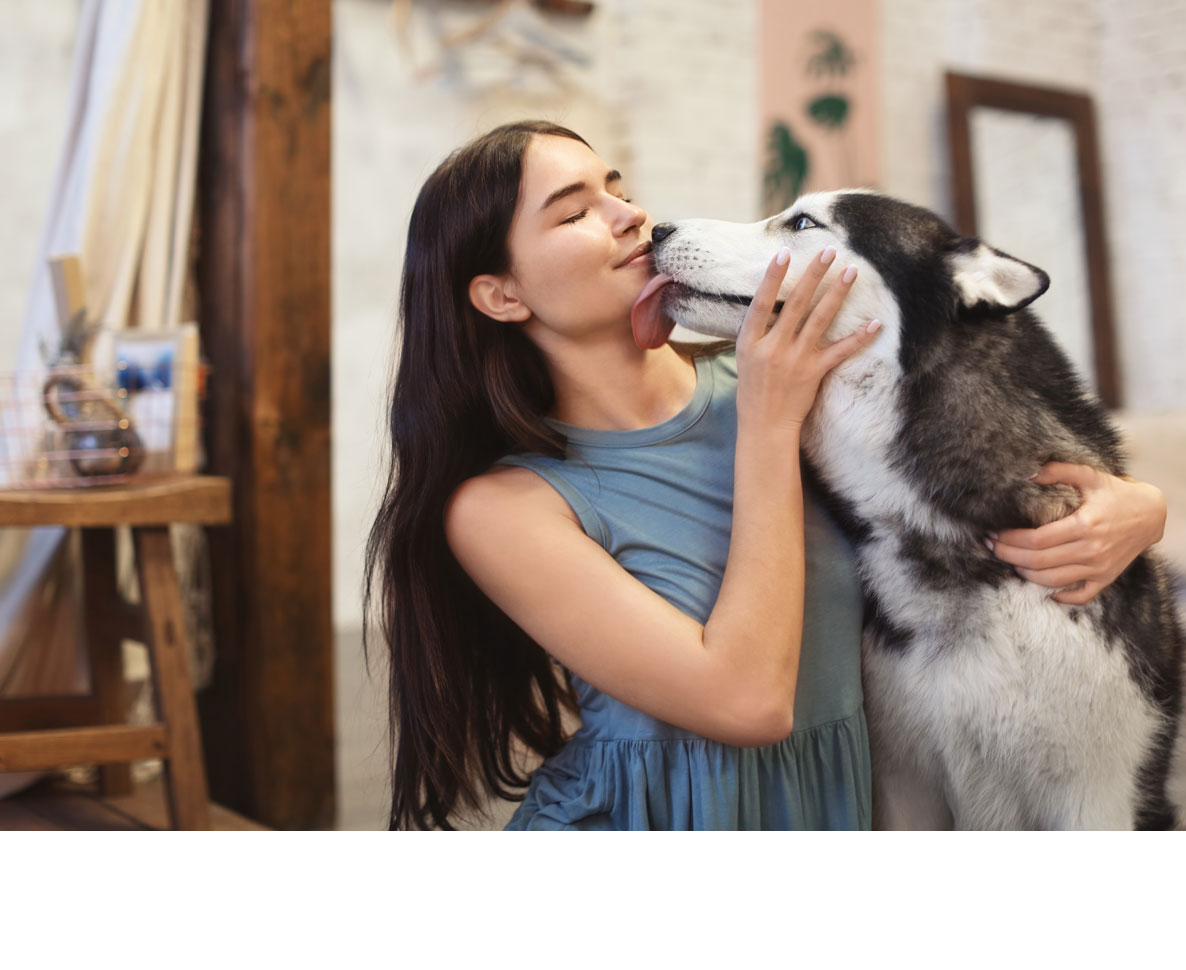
<point x="264" y="294"/>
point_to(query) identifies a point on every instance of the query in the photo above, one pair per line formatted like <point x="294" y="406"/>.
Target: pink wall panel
<point x="819" y="97"/>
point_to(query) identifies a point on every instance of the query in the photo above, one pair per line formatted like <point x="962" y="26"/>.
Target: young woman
<point x="574" y="522"/>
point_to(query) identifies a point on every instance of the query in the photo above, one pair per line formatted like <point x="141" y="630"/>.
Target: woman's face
<point x="575" y="242"/>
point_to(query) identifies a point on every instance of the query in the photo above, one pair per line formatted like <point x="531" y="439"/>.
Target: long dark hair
<point x="466" y="684"/>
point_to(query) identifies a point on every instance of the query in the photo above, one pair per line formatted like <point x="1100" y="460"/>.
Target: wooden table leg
<point x="104" y="644"/>
<point x="185" y="772"/>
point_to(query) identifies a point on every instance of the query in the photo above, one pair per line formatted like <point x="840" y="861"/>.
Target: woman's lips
<point x="641" y="251"/>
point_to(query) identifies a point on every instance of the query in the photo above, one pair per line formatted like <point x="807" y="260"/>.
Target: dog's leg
<point x="1095" y="805"/>
<point x="988" y="800"/>
<point x="899" y="803"/>
<point x="904" y="799"/>
<point x="1104" y="812"/>
<point x="908" y="784"/>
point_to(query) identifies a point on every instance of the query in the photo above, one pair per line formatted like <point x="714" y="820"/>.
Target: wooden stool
<point x="42" y="733"/>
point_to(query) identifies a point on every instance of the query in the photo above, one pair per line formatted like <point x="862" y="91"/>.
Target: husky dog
<point x="990" y="704"/>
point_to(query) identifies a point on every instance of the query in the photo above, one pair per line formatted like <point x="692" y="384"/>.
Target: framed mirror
<point x="1026" y="179"/>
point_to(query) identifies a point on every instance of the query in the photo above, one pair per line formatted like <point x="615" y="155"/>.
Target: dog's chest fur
<point x="1021" y="717"/>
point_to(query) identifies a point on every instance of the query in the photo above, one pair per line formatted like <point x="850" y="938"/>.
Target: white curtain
<point x="122" y="200"/>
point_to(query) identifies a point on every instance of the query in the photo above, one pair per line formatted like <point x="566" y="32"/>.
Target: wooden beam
<point x="264" y="292"/>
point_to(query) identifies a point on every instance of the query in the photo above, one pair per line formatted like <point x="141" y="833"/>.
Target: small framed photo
<point x="156" y="376"/>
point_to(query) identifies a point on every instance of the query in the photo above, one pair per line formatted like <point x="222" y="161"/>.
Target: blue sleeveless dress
<point x="660" y="501"/>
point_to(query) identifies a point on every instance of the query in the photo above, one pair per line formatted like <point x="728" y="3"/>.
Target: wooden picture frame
<point x="964" y="94"/>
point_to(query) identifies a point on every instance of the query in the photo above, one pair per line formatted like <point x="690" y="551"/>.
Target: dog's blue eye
<point x="804" y="222"/>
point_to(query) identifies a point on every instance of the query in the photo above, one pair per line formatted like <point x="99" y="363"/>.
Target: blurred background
<point x="711" y="108"/>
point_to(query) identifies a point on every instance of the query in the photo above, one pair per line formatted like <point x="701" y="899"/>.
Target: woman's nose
<point x="635" y="215"/>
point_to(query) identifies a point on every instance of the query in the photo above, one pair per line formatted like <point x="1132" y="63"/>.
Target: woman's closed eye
<point x="578" y="216"/>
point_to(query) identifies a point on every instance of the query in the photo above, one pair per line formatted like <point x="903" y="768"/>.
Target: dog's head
<point x="916" y="274"/>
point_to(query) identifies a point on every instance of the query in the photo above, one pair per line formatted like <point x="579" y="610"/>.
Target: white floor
<point x="363" y="772"/>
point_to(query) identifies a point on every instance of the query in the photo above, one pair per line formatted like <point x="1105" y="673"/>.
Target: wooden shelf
<point x="204" y="499"/>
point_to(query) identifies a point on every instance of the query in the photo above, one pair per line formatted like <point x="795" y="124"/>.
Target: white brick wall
<point x="690" y="105"/>
<point x="1141" y="97"/>
<point x="36" y="46"/>
<point x="1047" y="42"/>
<point x="1130" y="54"/>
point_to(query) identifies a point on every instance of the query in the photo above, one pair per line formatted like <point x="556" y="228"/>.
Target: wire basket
<point x="70" y="426"/>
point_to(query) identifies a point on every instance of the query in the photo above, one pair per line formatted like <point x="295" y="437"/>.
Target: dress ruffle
<point x="817" y="778"/>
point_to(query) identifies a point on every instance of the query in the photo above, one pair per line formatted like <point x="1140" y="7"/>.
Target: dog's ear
<point x="987" y="279"/>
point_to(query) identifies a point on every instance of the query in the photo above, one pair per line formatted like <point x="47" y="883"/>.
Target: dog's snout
<point x="661" y="232"/>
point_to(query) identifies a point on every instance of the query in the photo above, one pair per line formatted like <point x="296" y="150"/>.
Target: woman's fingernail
<point x="1033" y="476"/>
<point x="988" y="542"/>
<point x="993" y="536"/>
<point x="874" y="326"/>
<point x="783" y="257"/>
<point x="827" y="255"/>
<point x="850" y="274"/>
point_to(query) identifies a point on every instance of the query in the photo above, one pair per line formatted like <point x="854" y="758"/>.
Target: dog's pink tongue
<point x="651" y="328"/>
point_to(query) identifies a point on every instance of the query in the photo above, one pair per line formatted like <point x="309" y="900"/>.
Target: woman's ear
<point x="495" y="297"/>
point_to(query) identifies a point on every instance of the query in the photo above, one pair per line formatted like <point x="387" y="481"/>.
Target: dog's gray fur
<point x="990" y="705"/>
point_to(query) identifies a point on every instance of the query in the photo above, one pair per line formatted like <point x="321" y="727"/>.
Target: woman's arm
<point x="732" y="679"/>
<point x="1117" y="520"/>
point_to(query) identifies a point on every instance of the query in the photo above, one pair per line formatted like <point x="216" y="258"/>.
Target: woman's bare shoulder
<point x="490" y="502"/>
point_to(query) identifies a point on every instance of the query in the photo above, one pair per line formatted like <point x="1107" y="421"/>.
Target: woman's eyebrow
<point x="611" y="176"/>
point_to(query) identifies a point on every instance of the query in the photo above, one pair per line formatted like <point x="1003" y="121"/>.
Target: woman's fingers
<point x="826" y="309"/>
<point x="838" y="352"/>
<point x="790" y="324"/>
<point x="1056" y="578"/>
<point x="1060" y="472"/>
<point x="796" y="305"/>
<point x="1115" y="523"/>
<point x="762" y="305"/>
<point x="1055" y="533"/>
<point x="1080" y="595"/>
<point x="1069" y="553"/>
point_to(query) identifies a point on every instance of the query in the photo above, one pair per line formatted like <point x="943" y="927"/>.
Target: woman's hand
<point x="1116" y="521"/>
<point x="780" y="365"/>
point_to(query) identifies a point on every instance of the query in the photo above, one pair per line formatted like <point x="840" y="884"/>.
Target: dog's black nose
<point x="661" y="232"/>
